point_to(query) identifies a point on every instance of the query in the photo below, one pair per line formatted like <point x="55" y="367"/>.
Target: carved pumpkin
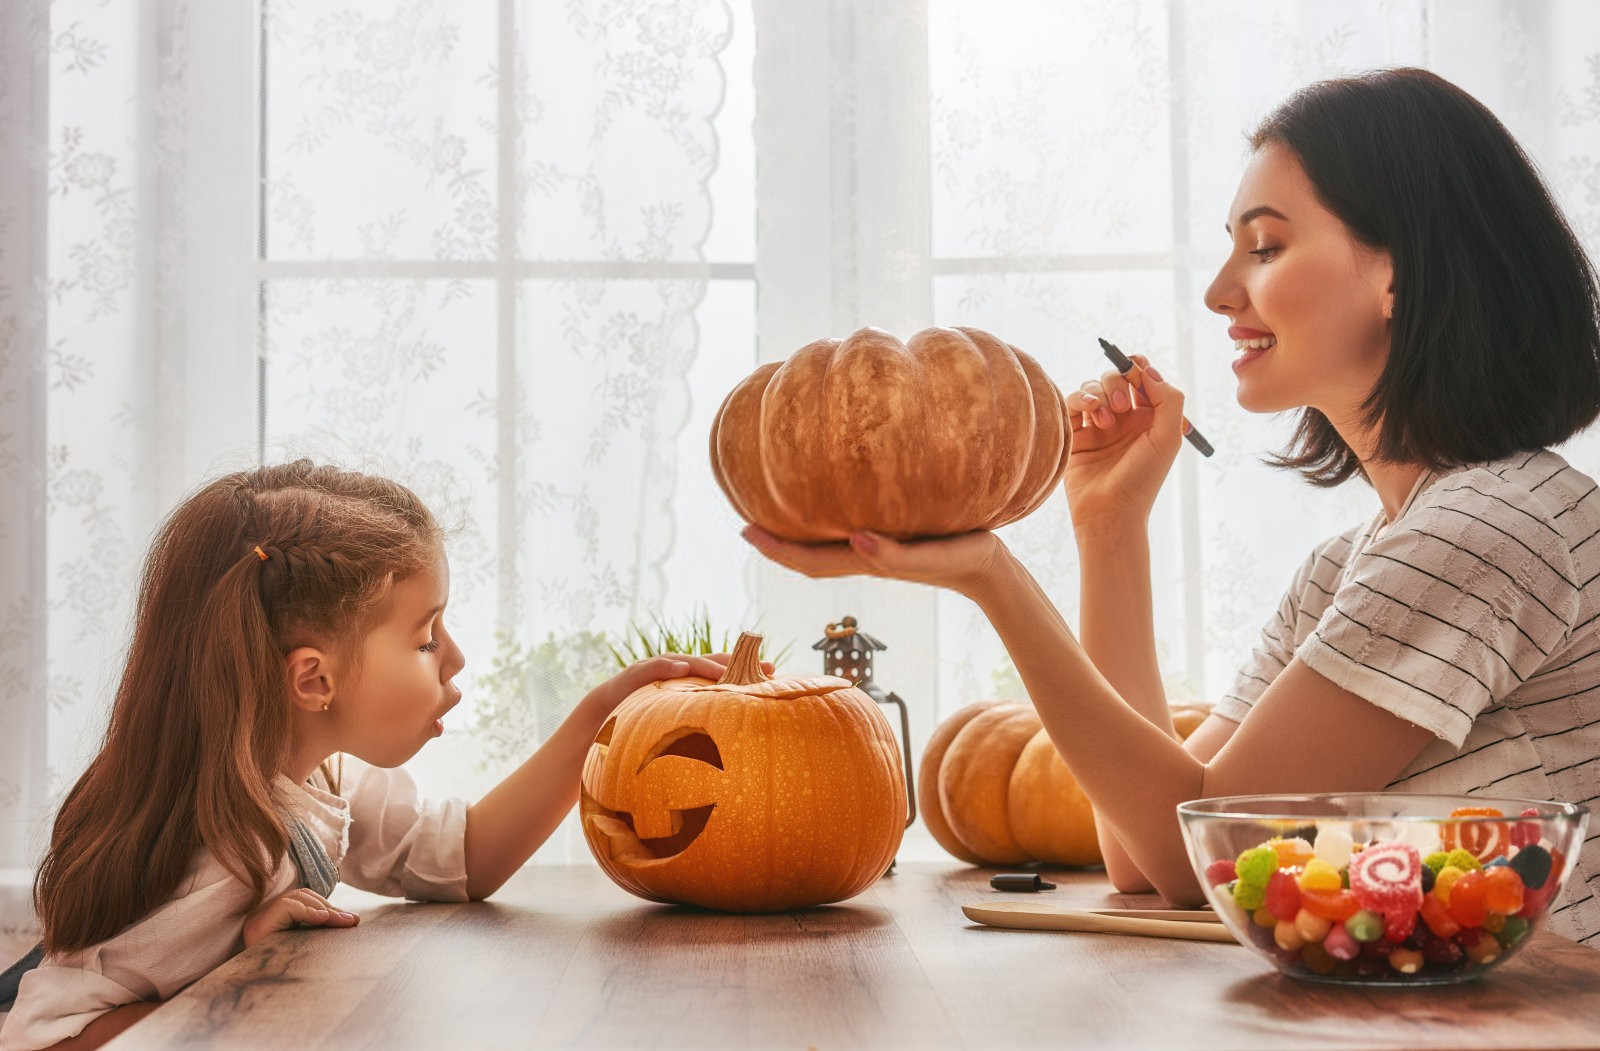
<point x="748" y="794"/>
<point x="951" y="432"/>
<point x="993" y="790"/>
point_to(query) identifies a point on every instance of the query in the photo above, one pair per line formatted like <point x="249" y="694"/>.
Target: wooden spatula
<point x="1149" y="923"/>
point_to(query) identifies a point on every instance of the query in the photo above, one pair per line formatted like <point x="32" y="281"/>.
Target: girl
<point x="1400" y="275"/>
<point x="286" y="615"/>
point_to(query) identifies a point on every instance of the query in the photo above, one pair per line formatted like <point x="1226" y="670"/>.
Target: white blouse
<point x="379" y="835"/>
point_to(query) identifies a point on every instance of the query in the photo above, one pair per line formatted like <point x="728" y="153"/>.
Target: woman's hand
<point x="604" y="698"/>
<point x="298" y="908"/>
<point x="1123" y="445"/>
<point x="961" y="563"/>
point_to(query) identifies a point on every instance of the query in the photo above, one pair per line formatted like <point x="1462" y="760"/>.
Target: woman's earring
<point x="326" y="703"/>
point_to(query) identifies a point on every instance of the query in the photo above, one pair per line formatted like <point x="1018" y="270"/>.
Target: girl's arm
<point x="108" y="1025"/>
<point x="506" y="826"/>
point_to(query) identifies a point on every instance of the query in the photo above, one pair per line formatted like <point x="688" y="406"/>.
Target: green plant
<point x="529" y="690"/>
<point x="692" y="635"/>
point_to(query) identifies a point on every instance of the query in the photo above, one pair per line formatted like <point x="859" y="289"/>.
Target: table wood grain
<point x="562" y="958"/>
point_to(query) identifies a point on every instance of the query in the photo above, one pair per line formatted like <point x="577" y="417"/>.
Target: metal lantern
<point x="847" y="652"/>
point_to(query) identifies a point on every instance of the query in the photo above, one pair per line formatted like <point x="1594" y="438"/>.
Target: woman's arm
<point x="506" y="826"/>
<point x="1305" y="735"/>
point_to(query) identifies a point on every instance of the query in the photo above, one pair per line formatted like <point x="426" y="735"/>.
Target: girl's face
<point x="402" y="687"/>
<point x="1306" y="299"/>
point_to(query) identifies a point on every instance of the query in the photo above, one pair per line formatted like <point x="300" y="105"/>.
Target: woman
<point x="1401" y="276"/>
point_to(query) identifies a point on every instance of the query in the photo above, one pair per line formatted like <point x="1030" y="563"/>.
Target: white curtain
<point x="514" y="253"/>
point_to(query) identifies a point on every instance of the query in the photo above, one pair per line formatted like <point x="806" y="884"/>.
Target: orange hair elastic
<point x="262" y="555"/>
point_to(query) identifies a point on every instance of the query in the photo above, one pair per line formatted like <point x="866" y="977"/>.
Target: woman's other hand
<point x="961" y="563"/>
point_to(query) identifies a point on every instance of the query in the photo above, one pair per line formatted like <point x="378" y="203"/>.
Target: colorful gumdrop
<point x="1334" y="846"/>
<point x="1335" y="905"/>
<point x="1220" y="871"/>
<point x="1534" y="901"/>
<point x="1283" y="895"/>
<point x="1437" y="917"/>
<point x="1532" y="863"/>
<point x="1365" y="926"/>
<point x="1339" y="944"/>
<point x="1503" y="889"/>
<point x="1526" y="833"/>
<point x="1292" y="853"/>
<point x="1256" y="865"/>
<point x="1467" y="905"/>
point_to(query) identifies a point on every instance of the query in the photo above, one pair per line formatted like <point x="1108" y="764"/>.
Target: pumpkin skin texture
<point x="745" y="795"/>
<point x="949" y="432"/>
<point x="993" y="790"/>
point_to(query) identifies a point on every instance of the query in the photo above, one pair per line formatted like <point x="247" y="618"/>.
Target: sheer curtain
<point x="514" y="253"/>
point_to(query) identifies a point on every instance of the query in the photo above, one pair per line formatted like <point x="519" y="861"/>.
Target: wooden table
<point x="561" y="958"/>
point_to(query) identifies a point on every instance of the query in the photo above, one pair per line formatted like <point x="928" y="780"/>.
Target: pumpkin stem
<point x="744" y="666"/>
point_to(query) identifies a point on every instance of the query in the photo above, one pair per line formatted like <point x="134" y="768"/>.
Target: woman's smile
<point x="1251" y="344"/>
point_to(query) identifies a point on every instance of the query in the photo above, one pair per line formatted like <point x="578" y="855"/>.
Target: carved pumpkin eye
<point x="689" y="743"/>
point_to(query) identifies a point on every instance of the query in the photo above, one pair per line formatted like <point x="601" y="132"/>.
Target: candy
<point x="1398" y="926"/>
<point x="1444" y="881"/>
<point x="1334" y="846"/>
<point x="1256" y="865"/>
<point x="1494" y="923"/>
<point x="1406" y="961"/>
<point x="1435" y="861"/>
<point x="1333" y="905"/>
<point x="1437" y="917"/>
<point x="1526" y="833"/>
<point x="1442" y="951"/>
<point x="1339" y="944"/>
<point x="1220" y="871"/>
<point x="1365" y="925"/>
<point x="1319" y="875"/>
<point x="1503" y="891"/>
<point x="1249" y="896"/>
<point x="1385" y="878"/>
<point x="1534" y="901"/>
<point x="1287" y="935"/>
<point x="1464" y="860"/>
<point x="1283" y="896"/>
<point x="1313" y="928"/>
<point x="1532" y="863"/>
<point x="1467" y="905"/>
<point x="1515" y="929"/>
<point x="1292" y="853"/>
<point x="1482" y="839"/>
<point x="1481" y="946"/>
<point x="1428" y="877"/>
<point x="1263" y="917"/>
<point x="1317" y="958"/>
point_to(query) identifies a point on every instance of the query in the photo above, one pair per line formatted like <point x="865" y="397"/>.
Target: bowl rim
<point x="1226" y="807"/>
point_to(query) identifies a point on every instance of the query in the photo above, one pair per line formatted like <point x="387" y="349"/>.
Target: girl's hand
<point x="961" y="563"/>
<point x="604" y="698"/>
<point x="1123" y="445"/>
<point x="298" y="908"/>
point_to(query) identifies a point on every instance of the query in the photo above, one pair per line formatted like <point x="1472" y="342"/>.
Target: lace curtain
<point x="514" y="253"/>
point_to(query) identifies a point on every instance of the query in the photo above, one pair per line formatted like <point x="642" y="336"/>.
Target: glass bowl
<point x="1382" y="888"/>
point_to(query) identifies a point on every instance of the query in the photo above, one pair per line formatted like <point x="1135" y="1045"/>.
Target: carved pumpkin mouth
<point x="616" y="827"/>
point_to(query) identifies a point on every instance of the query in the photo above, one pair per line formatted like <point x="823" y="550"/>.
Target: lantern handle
<point x="905" y="737"/>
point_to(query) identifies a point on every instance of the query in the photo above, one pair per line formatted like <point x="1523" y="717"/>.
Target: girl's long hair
<point x="201" y="724"/>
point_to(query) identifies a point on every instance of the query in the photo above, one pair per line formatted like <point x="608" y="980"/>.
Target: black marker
<point x="1125" y="365"/>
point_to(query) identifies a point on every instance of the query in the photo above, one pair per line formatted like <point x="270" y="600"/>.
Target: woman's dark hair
<point x="1495" y="343"/>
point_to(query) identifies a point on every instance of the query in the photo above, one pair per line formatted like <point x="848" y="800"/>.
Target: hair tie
<point x="262" y="555"/>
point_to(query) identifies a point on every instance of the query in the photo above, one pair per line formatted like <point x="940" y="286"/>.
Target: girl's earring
<point x="326" y="703"/>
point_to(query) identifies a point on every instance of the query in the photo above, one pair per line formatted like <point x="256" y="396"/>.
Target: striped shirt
<point x="1476" y="615"/>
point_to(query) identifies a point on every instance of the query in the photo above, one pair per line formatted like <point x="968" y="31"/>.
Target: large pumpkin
<point x="993" y="790"/>
<point x="953" y="431"/>
<point x="748" y="794"/>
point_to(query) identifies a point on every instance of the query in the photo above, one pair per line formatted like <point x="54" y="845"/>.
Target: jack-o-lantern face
<point x="747" y="795"/>
<point x="656" y="833"/>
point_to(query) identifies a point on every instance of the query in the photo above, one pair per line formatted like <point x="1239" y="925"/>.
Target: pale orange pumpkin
<point x="993" y="790"/>
<point x="749" y="794"/>
<point x="952" y="431"/>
